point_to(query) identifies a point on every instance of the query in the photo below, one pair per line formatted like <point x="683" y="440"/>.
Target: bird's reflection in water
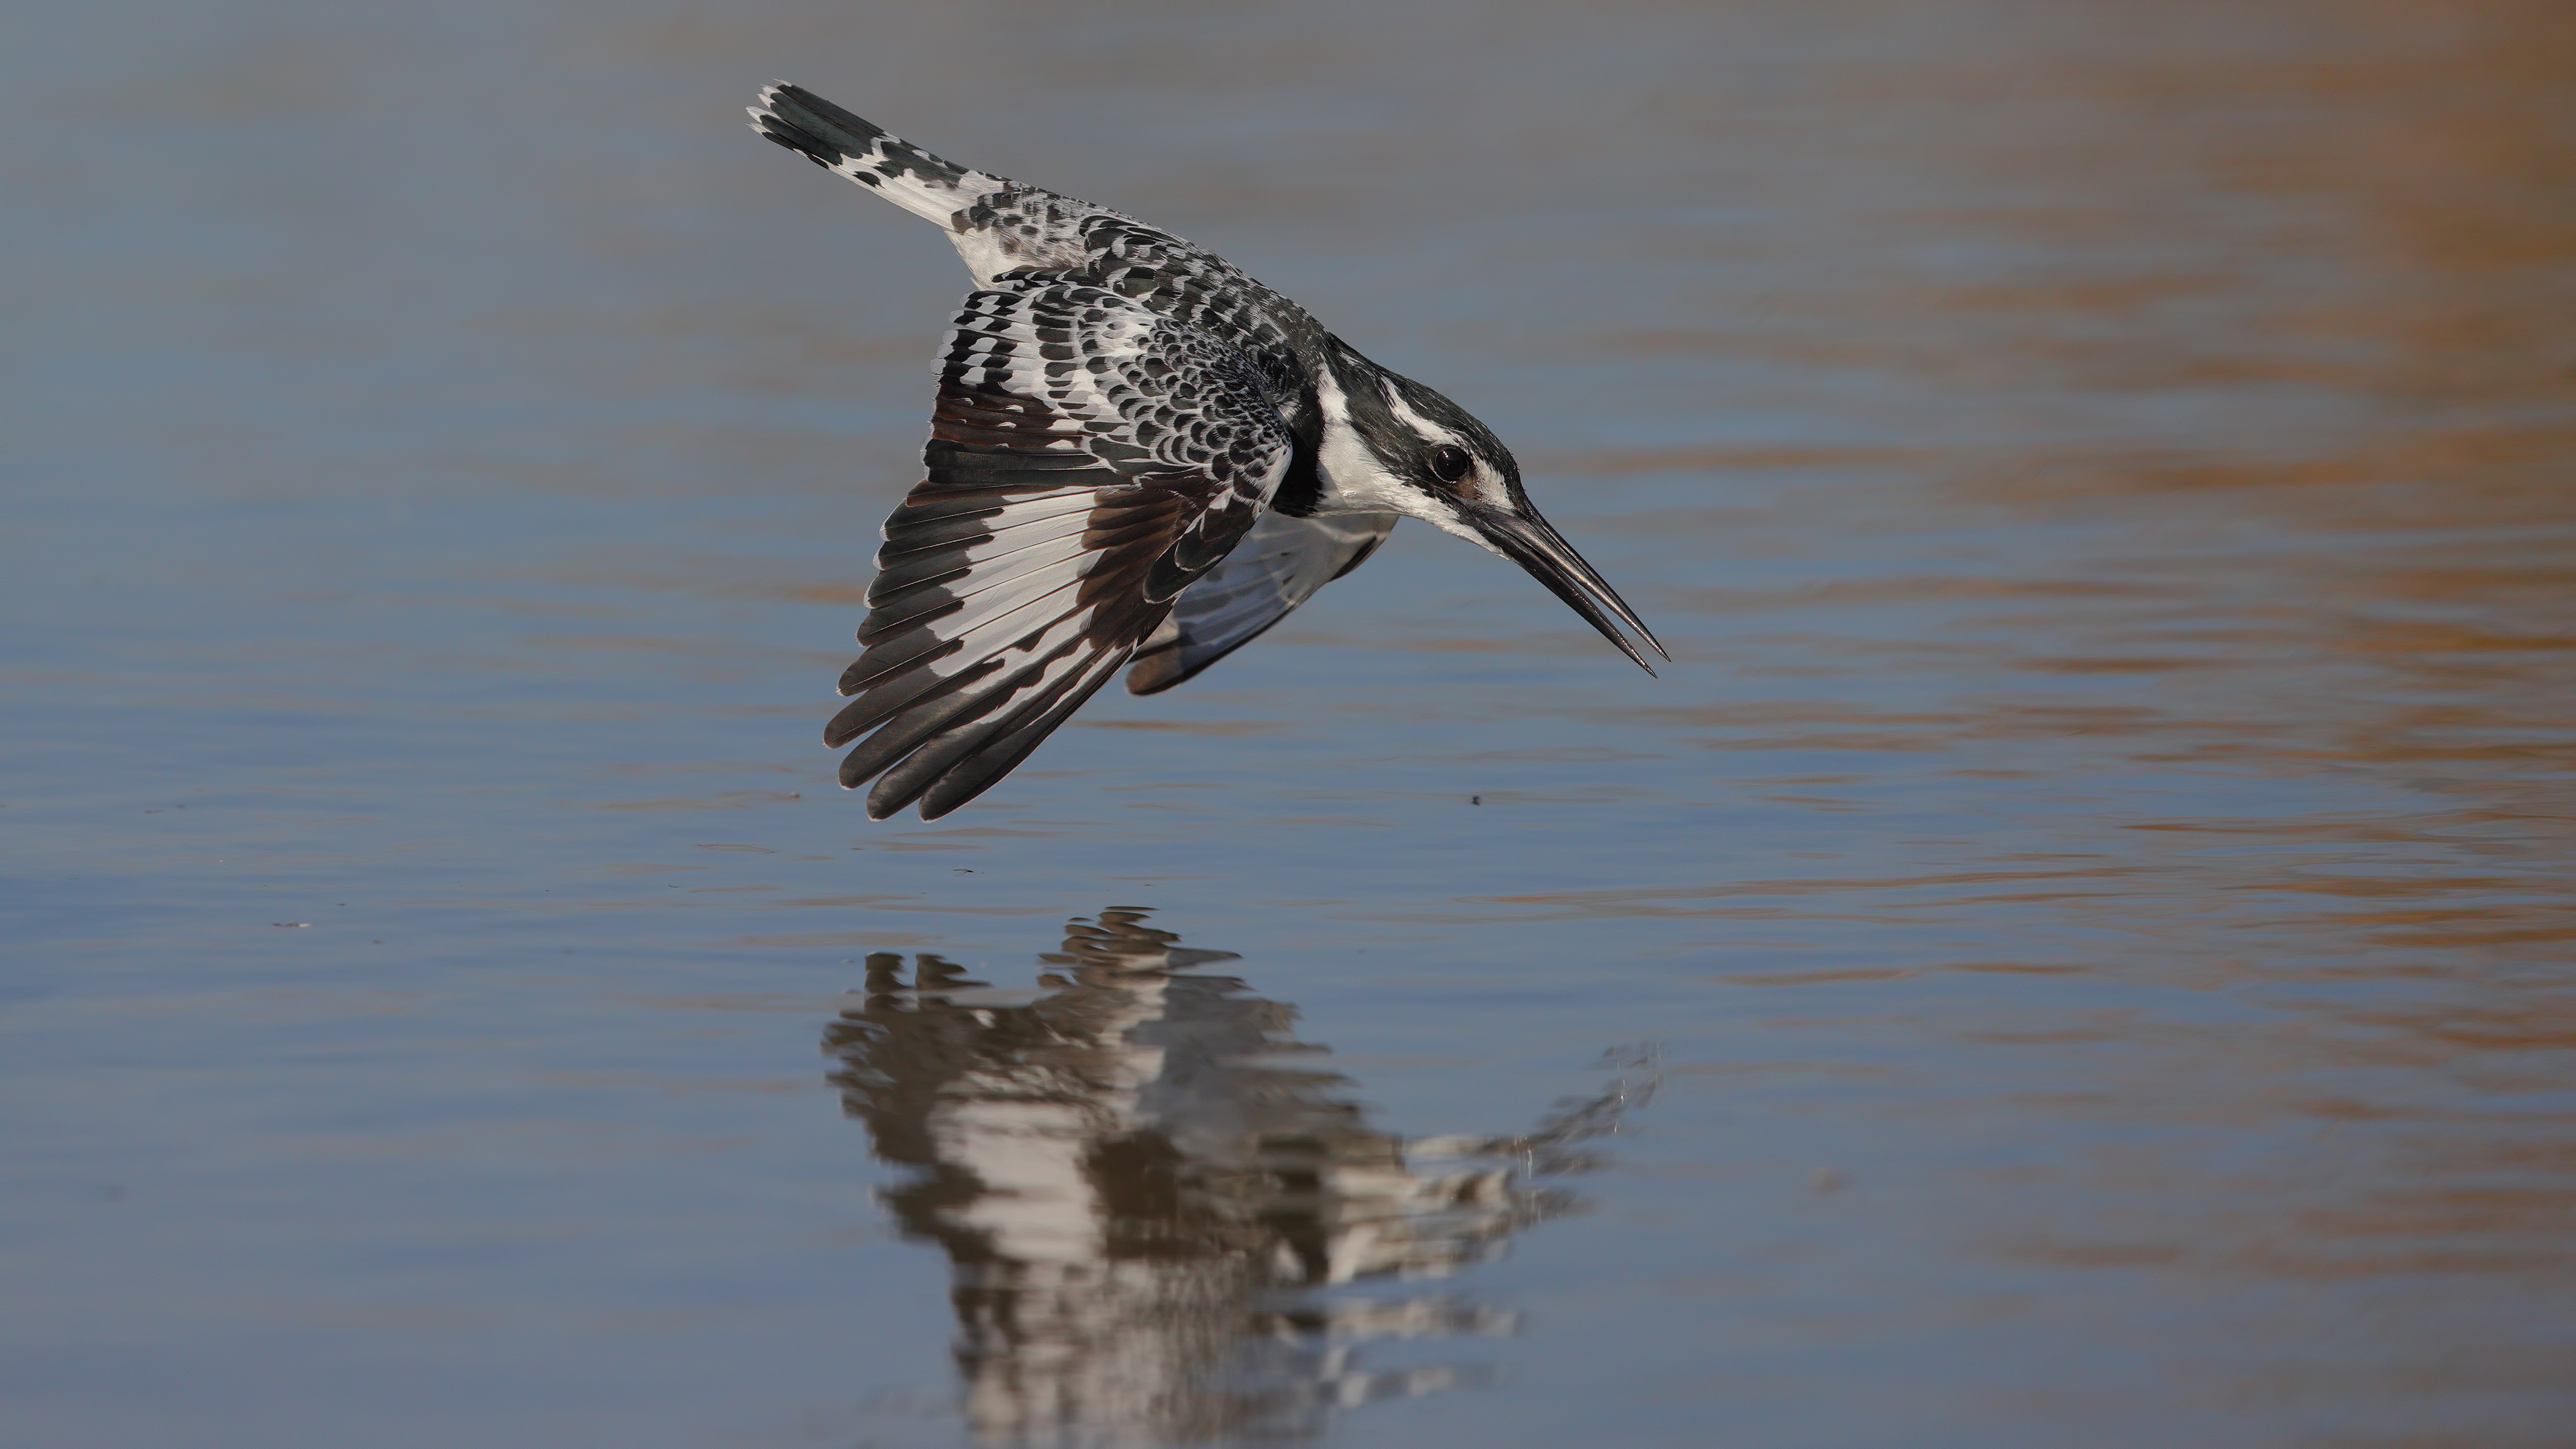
<point x="1165" y="1218"/>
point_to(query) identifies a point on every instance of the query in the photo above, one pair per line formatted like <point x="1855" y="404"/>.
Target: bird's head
<point x="1391" y="445"/>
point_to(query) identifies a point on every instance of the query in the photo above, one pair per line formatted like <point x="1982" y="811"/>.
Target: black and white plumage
<point x="1139" y="458"/>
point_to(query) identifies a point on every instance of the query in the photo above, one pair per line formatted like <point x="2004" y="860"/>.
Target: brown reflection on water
<point x="2219" y="655"/>
<point x="2377" y="582"/>
<point x="2265" y="396"/>
<point x="1163" y="1212"/>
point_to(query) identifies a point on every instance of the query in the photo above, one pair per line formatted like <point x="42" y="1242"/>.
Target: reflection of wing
<point x="1278" y="566"/>
<point x="1087" y="462"/>
<point x="1149" y="1188"/>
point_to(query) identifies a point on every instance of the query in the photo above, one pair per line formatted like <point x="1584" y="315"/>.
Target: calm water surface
<point x="2076" y="950"/>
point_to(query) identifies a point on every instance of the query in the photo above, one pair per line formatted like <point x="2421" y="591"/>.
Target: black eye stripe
<point x="1449" y="464"/>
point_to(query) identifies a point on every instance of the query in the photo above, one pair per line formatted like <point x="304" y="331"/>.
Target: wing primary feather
<point x="972" y="531"/>
<point x="895" y="696"/>
<point x="900" y="575"/>
<point x="946" y="706"/>
<point x="906" y="533"/>
<point x="1048" y="679"/>
<point x="929" y="503"/>
<point x="864" y="671"/>
<point x="986" y="767"/>
<point x="945" y="609"/>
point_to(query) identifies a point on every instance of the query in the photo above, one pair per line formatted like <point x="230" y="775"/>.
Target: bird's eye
<point x="1449" y="464"/>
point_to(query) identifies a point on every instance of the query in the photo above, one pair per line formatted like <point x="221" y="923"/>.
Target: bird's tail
<point x="839" y="142"/>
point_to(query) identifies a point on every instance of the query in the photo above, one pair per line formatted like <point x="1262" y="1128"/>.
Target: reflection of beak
<point x="1527" y="540"/>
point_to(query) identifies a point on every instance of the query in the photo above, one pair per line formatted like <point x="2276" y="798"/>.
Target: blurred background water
<point x="2075" y="950"/>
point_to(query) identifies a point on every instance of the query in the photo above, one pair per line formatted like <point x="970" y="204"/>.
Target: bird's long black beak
<point x="1528" y="540"/>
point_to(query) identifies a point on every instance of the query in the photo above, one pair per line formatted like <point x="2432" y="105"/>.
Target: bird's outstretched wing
<point x="1277" y="566"/>
<point x="1088" y="461"/>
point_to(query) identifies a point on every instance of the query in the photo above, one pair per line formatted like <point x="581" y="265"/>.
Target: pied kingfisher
<point x="1138" y="453"/>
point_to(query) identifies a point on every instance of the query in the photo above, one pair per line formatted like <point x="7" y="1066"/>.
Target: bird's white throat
<point x="1355" y="479"/>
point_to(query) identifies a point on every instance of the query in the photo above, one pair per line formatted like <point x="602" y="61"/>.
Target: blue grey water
<point x="2075" y="949"/>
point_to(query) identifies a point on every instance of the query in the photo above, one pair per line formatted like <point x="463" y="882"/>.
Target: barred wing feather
<point x="1088" y="462"/>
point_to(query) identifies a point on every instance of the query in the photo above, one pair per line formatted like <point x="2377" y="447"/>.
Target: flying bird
<point x="1139" y="456"/>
